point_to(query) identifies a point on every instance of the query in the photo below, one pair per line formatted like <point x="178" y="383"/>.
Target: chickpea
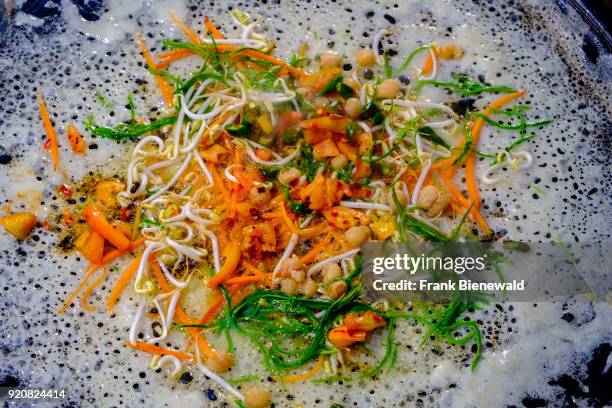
<point x="220" y="361"/>
<point x="388" y="89"/>
<point x="366" y="58"/>
<point x="292" y="263"/>
<point x="456" y="51"/>
<point x="309" y="288"/>
<point x="337" y="289"/>
<point x="298" y="275"/>
<point x="433" y="200"/>
<point x="289" y="176"/>
<point x="403" y="200"/>
<point x="451" y="51"/>
<point x="257" y="398"/>
<point x="339" y="162"/>
<point x="289" y="286"/>
<point x="331" y="272"/>
<point x="320" y="102"/>
<point x="329" y="60"/>
<point x="260" y="195"/>
<point x="355" y="236"/>
<point x="352" y="107"/>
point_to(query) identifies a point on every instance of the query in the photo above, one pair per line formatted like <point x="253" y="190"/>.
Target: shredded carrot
<point x="251" y="53"/>
<point x="496" y="104"/>
<point x="163" y="85"/>
<point x="428" y="65"/>
<point x="212" y="29"/>
<point x="122" y="283"/>
<point x="77" y="144"/>
<point x="98" y="222"/>
<point x="167" y="58"/>
<point x="470" y="177"/>
<point x="219" y="182"/>
<point x="253" y="269"/>
<point x="153" y="349"/>
<point x="213" y="309"/>
<point x="90" y="289"/>
<point x="292" y="379"/>
<point x="93" y="247"/>
<point x="306" y="232"/>
<point x="109" y="257"/>
<point x="90" y="272"/>
<point x="185" y="29"/>
<point x="229" y="266"/>
<point x="51" y="135"/>
<point x="311" y="255"/>
<point x="244" y="279"/>
<point x="116" y="253"/>
<point x="465" y="203"/>
<point x="216" y="305"/>
<point x="267" y="57"/>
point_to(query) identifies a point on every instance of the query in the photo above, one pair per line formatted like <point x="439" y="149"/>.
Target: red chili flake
<point x="125" y="214"/>
<point x="65" y="190"/>
<point x="47" y="144"/>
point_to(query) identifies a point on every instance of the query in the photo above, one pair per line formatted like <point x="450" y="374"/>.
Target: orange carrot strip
<point x="252" y="268"/>
<point x="185" y="29"/>
<point x="466" y="204"/>
<point x="122" y="283"/>
<point x="90" y="289"/>
<point x="164" y="87"/>
<point x="219" y="182"/>
<point x="109" y="257"/>
<point x="90" y="271"/>
<point x="310" y="256"/>
<point x="153" y="349"/>
<point x="292" y="379"/>
<point x="496" y="104"/>
<point x="304" y="233"/>
<point x="167" y="58"/>
<point x="216" y="305"/>
<point x="93" y="248"/>
<point x="226" y="48"/>
<point x="116" y="253"/>
<point x="46" y="120"/>
<point x="229" y="266"/>
<point x="244" y="279"/>
<point x="428" y="64"/>
<point x="213" y="309"/>
<point x="212" y="29"/>
<point x="98" y="222"/>
<point x="470" y="177"/>
<point x="77" y="144"/>
<point x="267" y="57"/>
